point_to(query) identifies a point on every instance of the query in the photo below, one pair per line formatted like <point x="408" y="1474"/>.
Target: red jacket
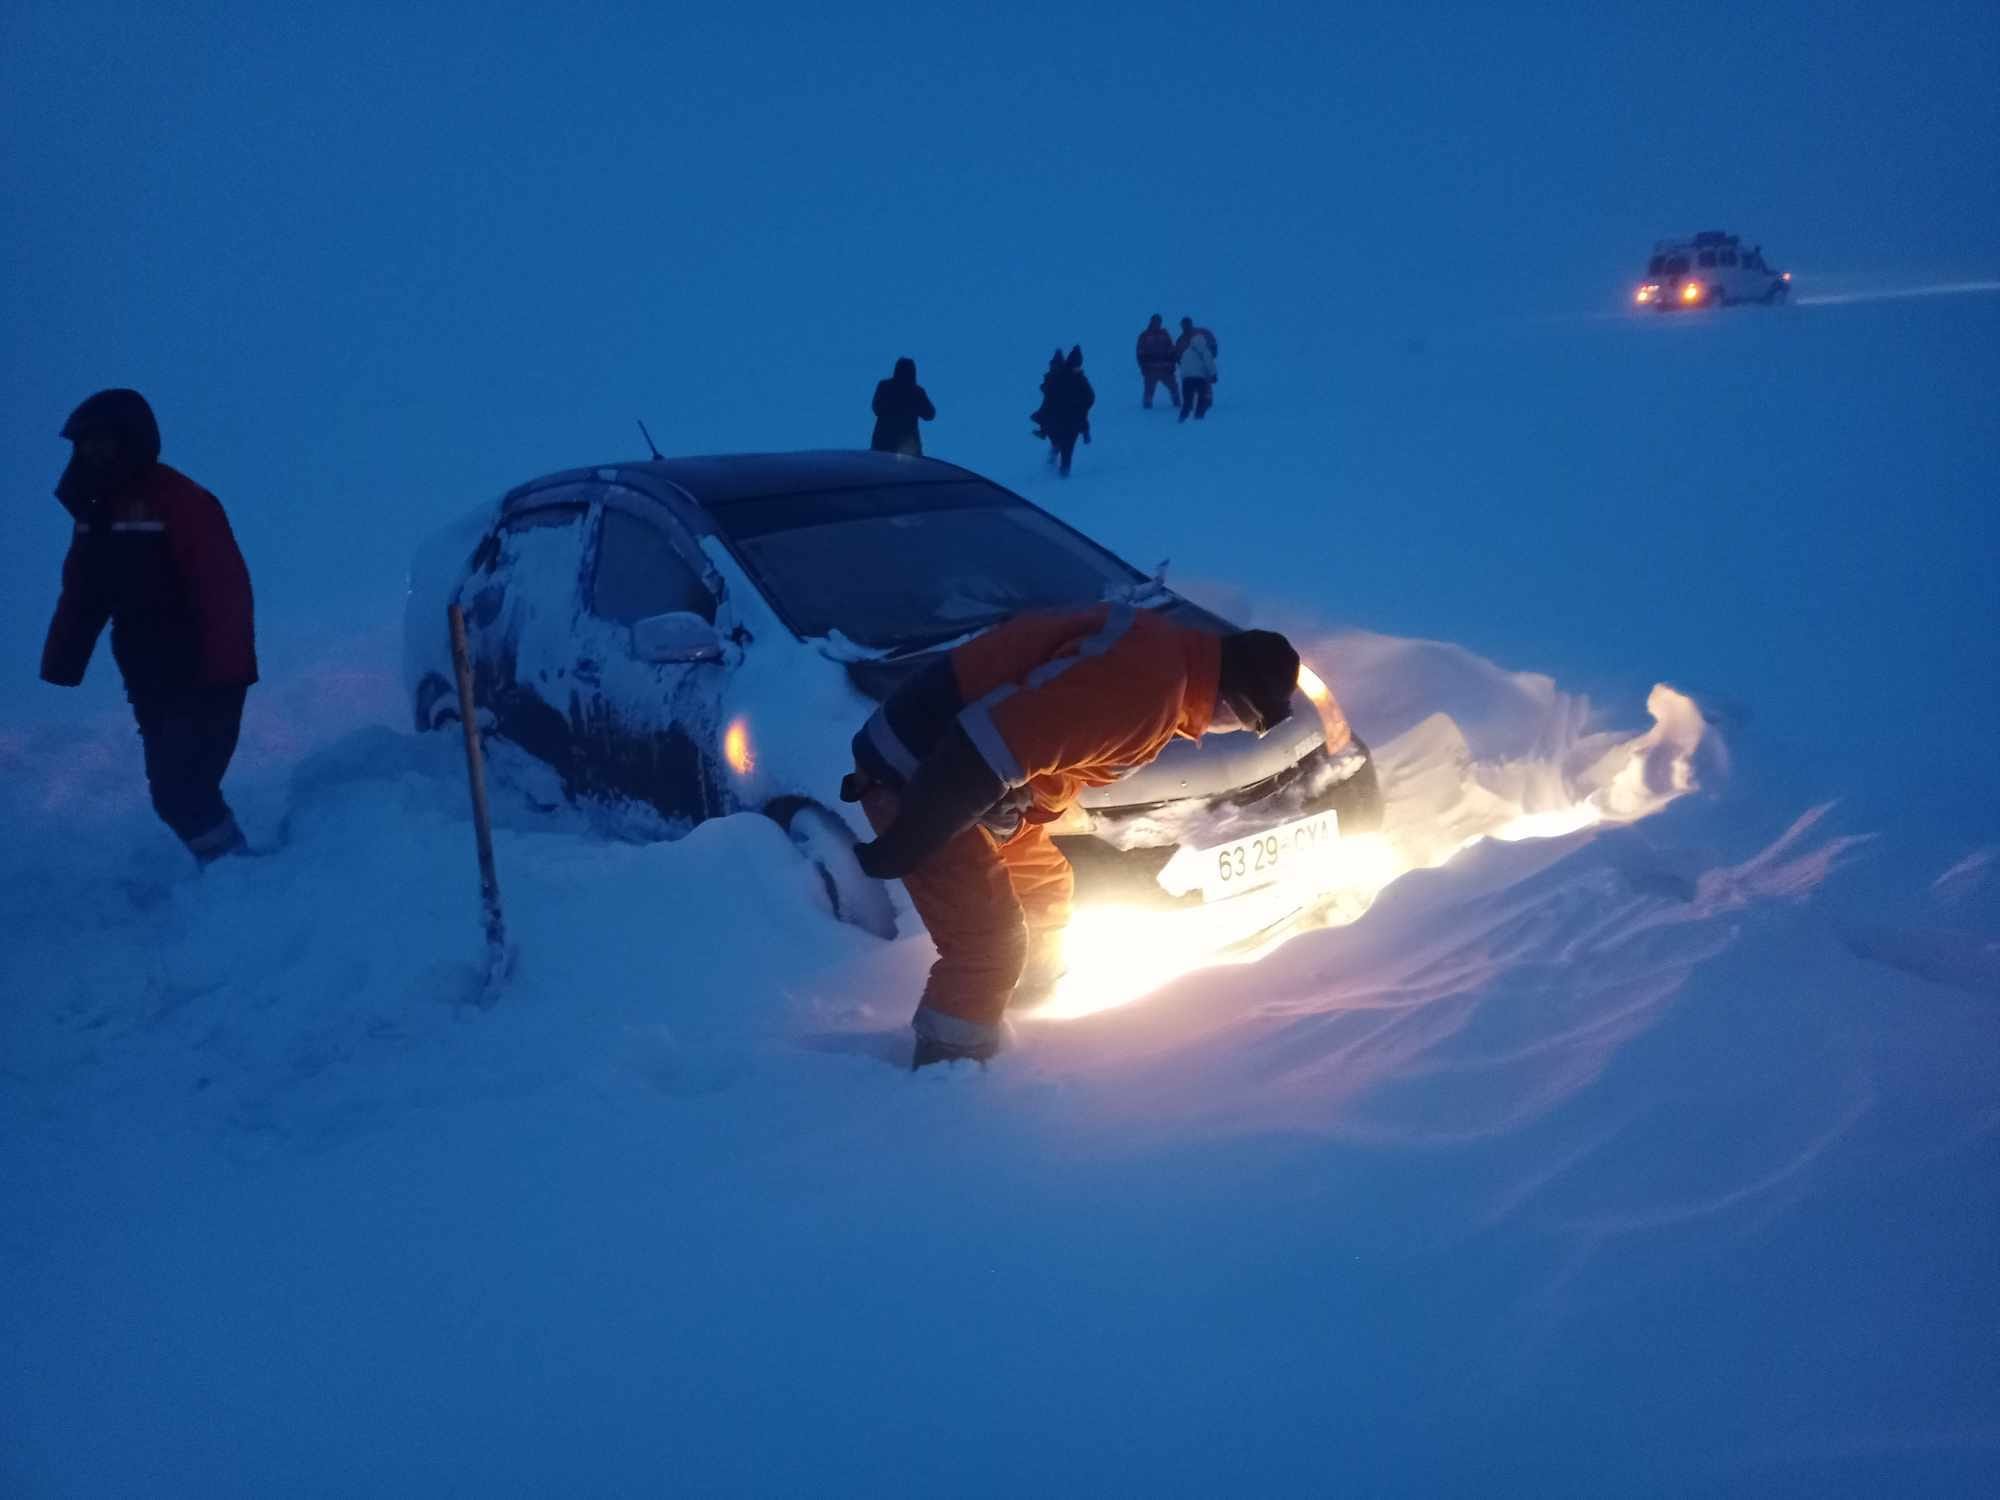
<point x="1156" y="347"/>
<point x="161" y="566"/>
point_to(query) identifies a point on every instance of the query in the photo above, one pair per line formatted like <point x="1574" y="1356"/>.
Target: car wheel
<point x="828" y="846"/>
<point x="436" y="703"/>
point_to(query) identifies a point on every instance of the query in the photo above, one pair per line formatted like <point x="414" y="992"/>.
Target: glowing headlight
<point x="1332" y="722"/>
<point x="736" y="748"/>
<point x="1691" y="292"/>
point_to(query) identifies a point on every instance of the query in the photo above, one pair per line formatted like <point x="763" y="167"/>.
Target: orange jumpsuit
<point x="1054" y="703"/>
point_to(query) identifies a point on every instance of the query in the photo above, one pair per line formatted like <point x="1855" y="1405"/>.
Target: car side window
<point x="505" y="541"/>
<point x="640" y="574"/>
<point x="1729" y="257"/>
<point x="1706" y="258"/>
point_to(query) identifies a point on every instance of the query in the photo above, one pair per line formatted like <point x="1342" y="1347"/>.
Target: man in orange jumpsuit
<point x="963" y="769"/>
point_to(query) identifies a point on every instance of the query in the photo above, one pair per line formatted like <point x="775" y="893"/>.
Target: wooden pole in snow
<point x="482" y="821"/>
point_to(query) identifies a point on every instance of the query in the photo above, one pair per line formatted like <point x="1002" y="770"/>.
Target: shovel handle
<point x="482" y="819"/>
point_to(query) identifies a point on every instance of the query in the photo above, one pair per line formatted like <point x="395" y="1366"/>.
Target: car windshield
<point x="908" y="563"/>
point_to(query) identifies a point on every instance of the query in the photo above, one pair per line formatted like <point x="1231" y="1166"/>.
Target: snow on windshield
<point x="885" y="578"/>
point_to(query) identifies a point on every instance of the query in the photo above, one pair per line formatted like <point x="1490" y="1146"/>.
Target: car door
<point x="1731" y="274"/>
<point x="648" y="700"/>
<point x="521" y="601"/>
<point x="1709" y="275"/>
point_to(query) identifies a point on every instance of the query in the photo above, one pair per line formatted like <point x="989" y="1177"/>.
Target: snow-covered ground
<point x="1656" y="1152"/>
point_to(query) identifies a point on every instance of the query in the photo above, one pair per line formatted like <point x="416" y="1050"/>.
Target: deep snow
<point x="1655" y="1157"/>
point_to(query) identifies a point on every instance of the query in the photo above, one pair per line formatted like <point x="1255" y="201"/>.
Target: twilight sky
<point x="374" y="263"/>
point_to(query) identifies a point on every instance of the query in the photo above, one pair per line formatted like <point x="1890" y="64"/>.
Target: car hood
<point x="1214" y="766"/>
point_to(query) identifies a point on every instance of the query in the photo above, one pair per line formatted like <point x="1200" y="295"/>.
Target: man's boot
<point x="928" y="1051"/>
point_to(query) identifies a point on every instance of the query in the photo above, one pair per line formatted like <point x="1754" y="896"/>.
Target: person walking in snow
<point x="1065" y="411"/>
<point x="1197" y="369"/>
<point x="1051" y="379"/>
<point x="1157" y="359"/>
<point x="1189" y="330"/>
<point x="153" y="556"/>
<point x="964" y="769"/>
<point x="900" y="403"/>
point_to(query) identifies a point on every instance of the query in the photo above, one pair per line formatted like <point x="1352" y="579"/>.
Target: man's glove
<point x="950" y="792"/>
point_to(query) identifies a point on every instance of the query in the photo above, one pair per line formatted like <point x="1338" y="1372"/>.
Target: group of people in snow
<point x="961" y="773"/>
<point x="1184" y="365"/>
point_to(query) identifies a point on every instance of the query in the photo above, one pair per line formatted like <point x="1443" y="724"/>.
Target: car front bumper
<point x="1120" y="858"/>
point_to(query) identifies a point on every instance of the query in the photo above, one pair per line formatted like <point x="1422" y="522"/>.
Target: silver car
<point x="702" y="636"/>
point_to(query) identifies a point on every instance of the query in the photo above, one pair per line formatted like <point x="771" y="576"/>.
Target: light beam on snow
<point x="1116" y="955"/>
<point x="1893" y="294"/>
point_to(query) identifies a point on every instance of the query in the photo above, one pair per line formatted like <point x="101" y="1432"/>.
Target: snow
<point x="1633" y="1131"/>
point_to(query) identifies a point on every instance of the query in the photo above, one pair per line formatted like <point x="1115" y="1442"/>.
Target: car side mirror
<point x="677" y="637"/>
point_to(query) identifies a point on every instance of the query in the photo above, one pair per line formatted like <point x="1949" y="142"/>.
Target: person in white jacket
<point x="1197" y="367"/>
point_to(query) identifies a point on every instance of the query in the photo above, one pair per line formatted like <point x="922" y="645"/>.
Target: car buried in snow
<point x="703" y="636"/>
<point x="1710" y="270"/>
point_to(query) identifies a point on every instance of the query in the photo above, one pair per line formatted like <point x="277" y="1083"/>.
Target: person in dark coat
<point x="1157" y="358"/>
<point x="1065" y="413"/>
<point x="1051" y="379"/>
<point x="153" y="557"/>
<point x="900" y="403"/>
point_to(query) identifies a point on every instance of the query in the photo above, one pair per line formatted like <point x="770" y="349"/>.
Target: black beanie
<point x="121" y="414"/>
<point x="1260" y="668"/>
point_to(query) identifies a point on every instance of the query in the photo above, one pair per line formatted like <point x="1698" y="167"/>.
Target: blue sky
<point x="375" y="263"/>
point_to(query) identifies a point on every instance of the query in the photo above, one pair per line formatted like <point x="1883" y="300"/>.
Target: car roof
<point x="1707" y="239"/>
<point x="720" y="479"/>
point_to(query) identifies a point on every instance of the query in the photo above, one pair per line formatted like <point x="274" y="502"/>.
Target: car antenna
<point x="658" y="457"/>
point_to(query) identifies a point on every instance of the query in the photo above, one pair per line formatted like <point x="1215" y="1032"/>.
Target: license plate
<point x="1247" y="863"/>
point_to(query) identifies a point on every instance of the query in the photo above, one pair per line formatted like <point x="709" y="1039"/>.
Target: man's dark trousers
<point x="189" y="739"/>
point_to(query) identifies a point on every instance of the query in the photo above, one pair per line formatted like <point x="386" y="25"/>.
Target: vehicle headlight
<point x="1691" y="292"/>
<point x="736" y="748"/>
<point x="1331" y="720"/>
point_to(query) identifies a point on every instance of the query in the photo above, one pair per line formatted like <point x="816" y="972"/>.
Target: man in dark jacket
<point x="1157" y="357"/>
<point x="1066" y="402"/>
<point x="900" y="403"/>
<point x="964" y="769"/>
<point x="153" y="556"/>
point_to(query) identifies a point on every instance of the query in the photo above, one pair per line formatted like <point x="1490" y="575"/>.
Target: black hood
<point x="121" y="414"/>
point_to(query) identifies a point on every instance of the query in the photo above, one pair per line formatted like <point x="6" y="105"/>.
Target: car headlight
<point x="1331" y="720"/>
